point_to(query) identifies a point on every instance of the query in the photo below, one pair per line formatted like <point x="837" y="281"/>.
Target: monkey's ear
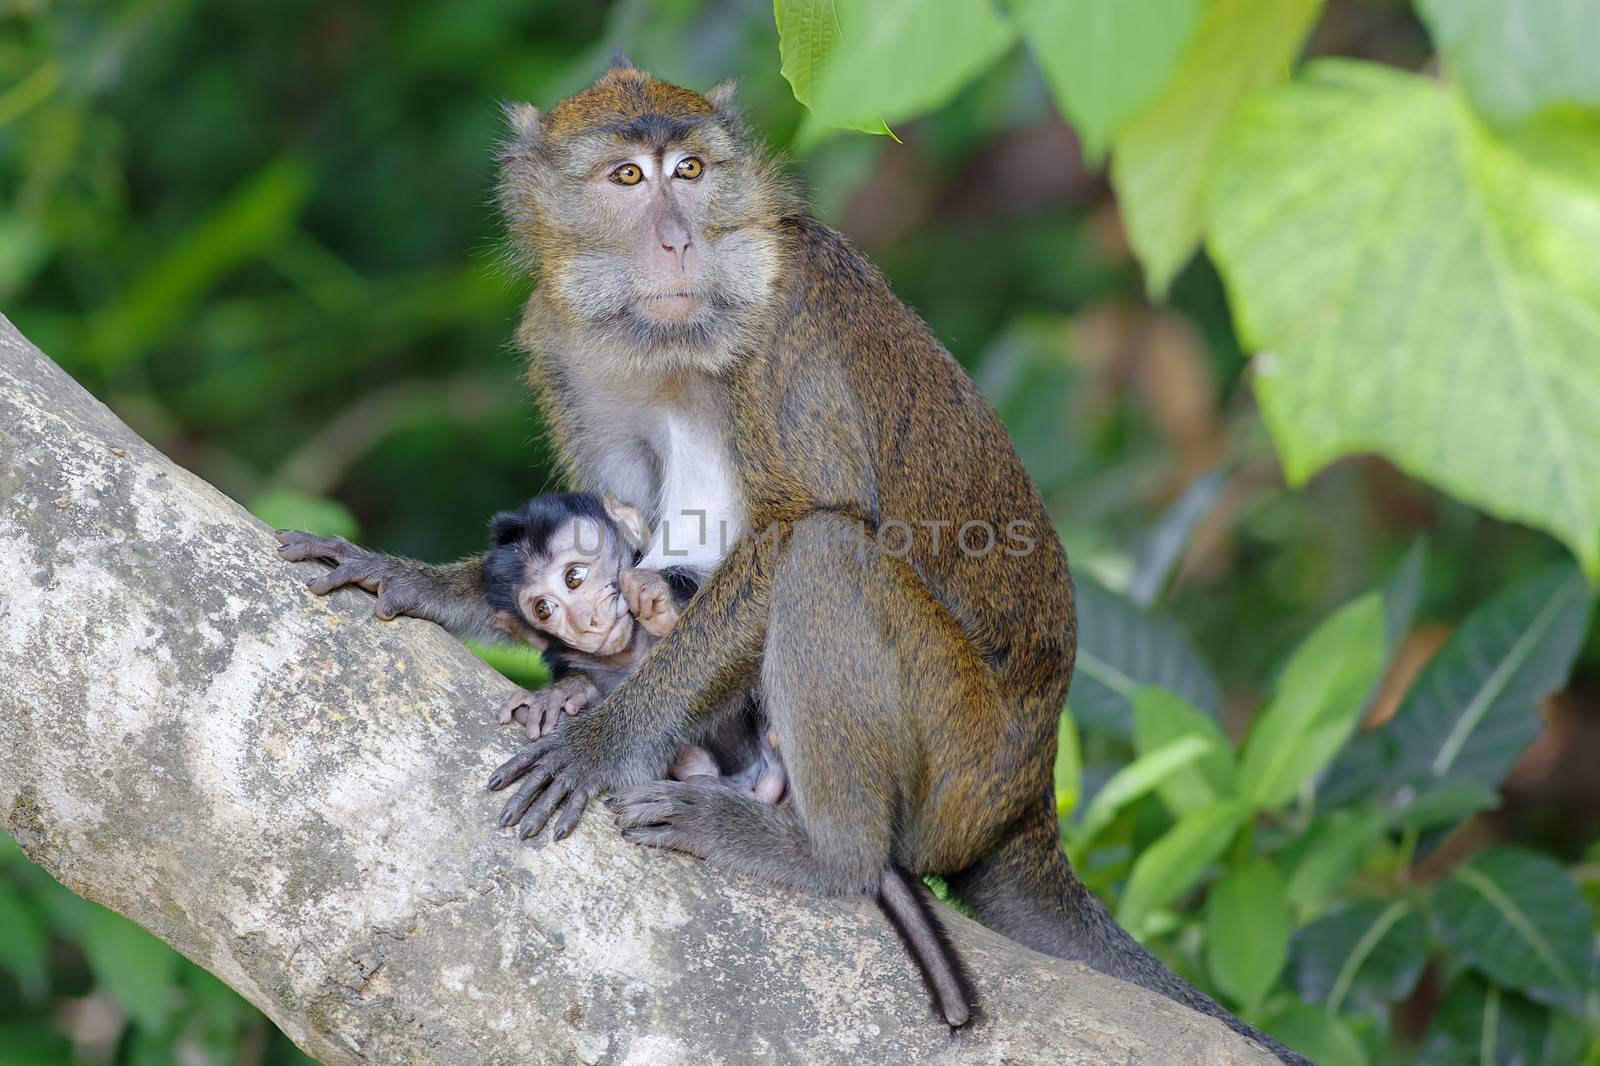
<point x="509" y="624"/>
<point x="721" y="94"/>
<point x="526" y="130"/>
<point x="620" y="61"/>
<point x="635" y="530"/>
<point x="505" y="528"/>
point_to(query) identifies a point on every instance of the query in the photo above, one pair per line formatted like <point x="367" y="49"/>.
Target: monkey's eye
<point x="627" y="174"/>
<point x="575" y="576"/>
<point x="543" y="608"/>
<point x="688" y="168"/>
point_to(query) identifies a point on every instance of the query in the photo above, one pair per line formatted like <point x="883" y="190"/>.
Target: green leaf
<point x="859" y="65"/>
<point x="1320" y="696"/>
<point x="1247" y="932"/>
<point x="1162" y="156"/>
<point x="1104" y="61"/>
<point x="1518" y="918"/>
<point x="1160" y="718"/>
<point x="247" y="223"/>
<point x="34" y="1042"/>
<point x="1365" y="956"/>
<point x="1516" y="58"/>
<point x="1138" y="778"/>
<point x="1474" y="708"/>
<point x="1331" y="853"/>
<point x="135" y="968"/>
<point x="1171" y="865"/>
<point x="1161" y="549"/>
<point x="1401" y="594"/>
<point x="285" y="509"/>
<point x="1319" y="1036"/>
<point x="808" y="34"/>
<point x="1478" y="1022"/>
<point x="1069" y="765"/>
<point x="1441" y="803"/>
<point x="1120" y="649"/>
<point x="24" y="952"/>
<point x="1420" y="288"/>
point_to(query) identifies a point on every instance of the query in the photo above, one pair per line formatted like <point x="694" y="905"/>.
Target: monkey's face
<point x="645" y="208"/>
<point x="571" y="592"/>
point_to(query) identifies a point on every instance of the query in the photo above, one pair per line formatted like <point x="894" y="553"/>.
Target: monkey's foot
<point x="695" y="818"/>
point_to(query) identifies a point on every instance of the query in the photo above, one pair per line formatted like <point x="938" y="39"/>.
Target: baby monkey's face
<point x="572" y="594"/>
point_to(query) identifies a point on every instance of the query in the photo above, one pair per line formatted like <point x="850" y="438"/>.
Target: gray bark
<point x="290" y="793"/>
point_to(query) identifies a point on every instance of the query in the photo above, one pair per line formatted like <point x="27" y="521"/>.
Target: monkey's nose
<point x="674" y="238"/>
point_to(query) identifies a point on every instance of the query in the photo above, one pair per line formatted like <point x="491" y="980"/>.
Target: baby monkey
<point x="560" y="576"/>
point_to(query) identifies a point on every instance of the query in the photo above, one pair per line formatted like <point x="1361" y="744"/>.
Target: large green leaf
<point x="1518" y="918"/>
<point x="1367" y="955"/>
<point x="1330" y="853"/>
<point x="1474" y="708"/>
<point x="1140" y="777"/>
<point x="808" y="34"/>
<point x="1480" y="1023"/>
<point x="1161" y="718"/>
<point x="1318" y="1035"/>
<point x="1247" y="932"/>
<point x="1120" y="649"/>
<point x="1320" y="696"/>
<point x="1175" y="862"/>
<point x="1518" y="57"/>
<point x="138" y="970"/>
<point x="859" y="64"/>
<point x="1420" y="288"/>
<point x="1106" y="60"/>
<point x="1162" y="155"/>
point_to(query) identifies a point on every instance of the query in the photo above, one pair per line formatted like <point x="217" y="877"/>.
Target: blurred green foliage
<point x="264" y="235"/>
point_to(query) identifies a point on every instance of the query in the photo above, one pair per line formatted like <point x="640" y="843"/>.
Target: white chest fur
<point x="698" y="505"/>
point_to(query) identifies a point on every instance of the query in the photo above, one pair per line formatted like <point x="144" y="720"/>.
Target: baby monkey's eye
<point x="575" y="576"/>
<point x="628" y="174"/>
<point x="543" y="608"/>
<point x="689" y="168"/>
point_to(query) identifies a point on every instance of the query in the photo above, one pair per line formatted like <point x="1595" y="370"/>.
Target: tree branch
<point x="290" y="793"/>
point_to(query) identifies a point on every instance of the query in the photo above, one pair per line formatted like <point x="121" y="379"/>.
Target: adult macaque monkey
<point x="702" y="344"/>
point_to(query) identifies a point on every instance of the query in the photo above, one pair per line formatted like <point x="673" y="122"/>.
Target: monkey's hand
<point x="353" y="565"/>
<point x="539" y="711"/>
<point x="649" y="599"/>
<point x="563" y="771"/>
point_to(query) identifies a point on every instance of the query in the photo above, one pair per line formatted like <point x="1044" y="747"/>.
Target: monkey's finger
<point x="518" y="805"/>
<point x="388" y="608"/>
<point x="541" y="811"/>
<point x="548" y="715"/>
<point x="340" y="576"/>
<point x="663" y="836"/>
<point x="519" y="764"/>
<point x="517" y="700"/>
<point x="570" y="813"/>
<point x="296" y="546"/>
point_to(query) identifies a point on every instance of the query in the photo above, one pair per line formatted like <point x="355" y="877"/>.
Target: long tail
<point x="1026" y="890"/>
<point x="905" y="900"/>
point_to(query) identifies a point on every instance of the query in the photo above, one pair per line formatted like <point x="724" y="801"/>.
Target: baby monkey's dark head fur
<point x="552" y="569"/>
<point x="649" y="214"/>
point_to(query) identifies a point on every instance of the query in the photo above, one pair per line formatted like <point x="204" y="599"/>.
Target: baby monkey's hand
<point x="538" y="712"/>
<point x="649" y="599"/>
